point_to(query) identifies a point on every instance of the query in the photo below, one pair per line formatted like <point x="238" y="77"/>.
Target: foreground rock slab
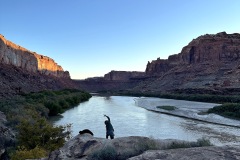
<point x="198" y="153"/>
<point x="87" y="147"/>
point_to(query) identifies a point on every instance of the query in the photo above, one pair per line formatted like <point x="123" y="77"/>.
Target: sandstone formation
<point x="123" y="75"/>
<point x="112" y="81"/>
<point x="16" y="80"/>
<point x="23" y="71"/>
<point x="209" y="62"/>
<point x="207" y="49"/>
<point x="12" y="54"/>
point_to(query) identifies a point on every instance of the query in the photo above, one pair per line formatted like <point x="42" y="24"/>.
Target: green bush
<point x="169" y="108"/>
<point x="230" y="110"/>
<point x="200" y="143"/>
<point x="54" y="108"/>
<point x="22" y="153"/>
<point x="39" y="132"/>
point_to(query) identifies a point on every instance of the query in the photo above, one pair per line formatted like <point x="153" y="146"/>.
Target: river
<point x="130" y="120"/>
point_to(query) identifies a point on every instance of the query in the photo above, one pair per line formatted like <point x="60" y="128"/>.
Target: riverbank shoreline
<point x="186" y="109"/>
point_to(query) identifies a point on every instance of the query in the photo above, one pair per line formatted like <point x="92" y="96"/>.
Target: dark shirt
<point x="109" y="126"/>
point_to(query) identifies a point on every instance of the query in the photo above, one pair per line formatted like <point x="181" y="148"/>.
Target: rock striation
<point x="12" y="54"/>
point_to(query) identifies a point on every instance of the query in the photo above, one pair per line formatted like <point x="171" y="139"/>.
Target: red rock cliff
<point x="210" y="62"/>
<point x="123" y="75"/>
<point x="209" y="48"/>
<point x="12" y="54"/>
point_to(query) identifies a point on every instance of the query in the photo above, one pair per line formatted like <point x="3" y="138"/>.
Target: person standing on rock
<point x="109" y="128"/>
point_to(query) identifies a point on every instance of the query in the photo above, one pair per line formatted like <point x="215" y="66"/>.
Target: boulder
<point x="86" y="146"/>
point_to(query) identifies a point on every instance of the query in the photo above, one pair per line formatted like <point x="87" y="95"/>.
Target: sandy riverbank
<point x="186" y="109"/>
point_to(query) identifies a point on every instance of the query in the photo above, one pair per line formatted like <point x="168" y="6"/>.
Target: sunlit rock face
<point x="214" y="49"/>
<point x="12" y="54"/>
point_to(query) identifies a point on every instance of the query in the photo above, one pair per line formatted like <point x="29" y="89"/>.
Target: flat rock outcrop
<point x="12" y="54"/>
<point x="87" y="147"/>
<point x="198" y="153"/>
<point x="84" y="146"/>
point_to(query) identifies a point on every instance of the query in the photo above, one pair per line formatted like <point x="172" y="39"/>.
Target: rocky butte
<point x="112" y="81"/>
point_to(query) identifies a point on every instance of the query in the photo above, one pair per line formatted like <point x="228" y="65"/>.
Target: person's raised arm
<point x="107" y="117"/>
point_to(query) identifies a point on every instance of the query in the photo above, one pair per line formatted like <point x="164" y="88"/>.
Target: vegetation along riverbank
<point x="230" y="104"/>
<point x="27" y="116"/>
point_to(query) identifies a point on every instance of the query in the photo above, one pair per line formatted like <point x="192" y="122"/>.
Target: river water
<point x="130" y="120"/>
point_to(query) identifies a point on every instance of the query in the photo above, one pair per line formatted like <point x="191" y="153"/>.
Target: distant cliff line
<point x="12" y="54"/>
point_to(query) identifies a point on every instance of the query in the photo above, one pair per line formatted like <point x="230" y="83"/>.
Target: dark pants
<point x="111" y="134"/>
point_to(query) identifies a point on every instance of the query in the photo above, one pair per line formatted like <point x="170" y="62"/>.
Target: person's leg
<point x="112" y="136"/>
<point x="106" y="136"/>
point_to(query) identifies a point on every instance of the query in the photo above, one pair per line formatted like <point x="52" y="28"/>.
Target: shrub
<point x="22" y="153"/>
<point x="203" y="142"/>
<point x="230" y="110"/>
<point x="106" y="153"/>
<point x="38" y="132"/>
<point x="54" y="108"/>
<point x="169" y="108"/>
<point x="200" y="143"/>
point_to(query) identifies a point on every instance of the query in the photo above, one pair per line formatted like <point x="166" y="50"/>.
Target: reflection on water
<point x="130" y="120"/>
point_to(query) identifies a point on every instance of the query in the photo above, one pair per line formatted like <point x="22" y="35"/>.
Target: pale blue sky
<point x="92" y="37"/>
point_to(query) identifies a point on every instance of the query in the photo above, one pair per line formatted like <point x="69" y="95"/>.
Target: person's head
<point x="106" y="122"/>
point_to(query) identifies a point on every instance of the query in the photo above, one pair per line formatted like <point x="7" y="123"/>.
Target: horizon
<point x="90" y="39"/>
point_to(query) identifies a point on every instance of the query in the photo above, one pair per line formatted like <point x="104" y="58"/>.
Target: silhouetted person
<point x="109" y="128"/>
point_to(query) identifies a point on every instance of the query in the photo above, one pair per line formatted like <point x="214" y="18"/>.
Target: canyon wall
<point x="12" y="54"/>
<point x="123" y="75"/>
<point x="112" y="81"/>
<point x="207" y="64"/>
<point x="214" y="49"/>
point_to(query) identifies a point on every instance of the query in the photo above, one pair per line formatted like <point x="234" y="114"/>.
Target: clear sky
<point x="92" y="37"/>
